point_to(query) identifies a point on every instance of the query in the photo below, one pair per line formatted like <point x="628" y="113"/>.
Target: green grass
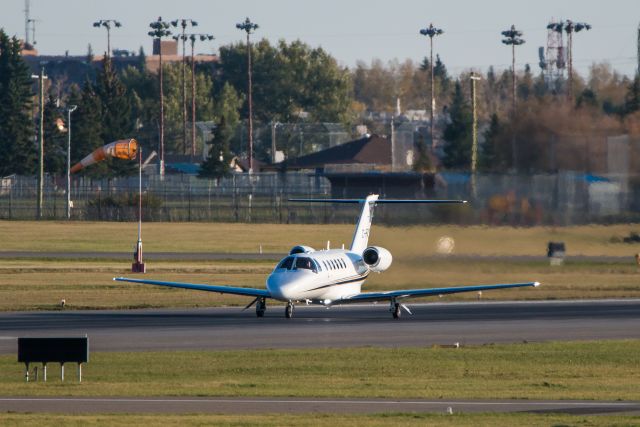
<point x="321" y="420"/>
<point x="279" y="238"/>
<point x="575" y="370"/>
<point x="86" y="284"/>
<point x="39" y="284"/>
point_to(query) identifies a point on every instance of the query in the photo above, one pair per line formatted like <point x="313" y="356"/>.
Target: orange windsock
<point x="122" y="149"/>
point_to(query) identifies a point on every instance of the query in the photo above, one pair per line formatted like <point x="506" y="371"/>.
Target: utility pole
<point x="183" y="22"/>
<point x="70" y="109"/>
<point x="192" y="38"/>
<point x="570" y="27"/>
<point x="512" y="38"/>
<point x="249" y="27"/>
<point x="160" y="29"/>
<point x="431" y="32"/>
<point x="474" y="135"/>
<point x="41" y="78"/>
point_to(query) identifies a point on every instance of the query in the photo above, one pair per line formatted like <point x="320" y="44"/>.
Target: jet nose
<point x="282" y="286"/>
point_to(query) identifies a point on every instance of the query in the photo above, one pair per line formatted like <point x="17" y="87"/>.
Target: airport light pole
<point x="513" y="39"/>
<point x="431" y="32"/>
<point x="249" y="27"/>
<point x="192" y="38"/>
<point x="474" y="135"/>
<point x="184" y="23"/>
<point x="70" y="109"/>
<point x="107" y="23"/>
<point x="160" y="29"/>
<point x="569" y="27"/>
<point x="40" y="191"/>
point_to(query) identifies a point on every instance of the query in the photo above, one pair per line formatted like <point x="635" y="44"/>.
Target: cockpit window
<point x="306" y="263"/>
<point x="286" y="263"/>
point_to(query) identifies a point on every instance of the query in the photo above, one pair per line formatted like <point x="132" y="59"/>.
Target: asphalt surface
<point x="298" y="406"/>
<point x="232" y="328"/>
<point x="341" y="326"/>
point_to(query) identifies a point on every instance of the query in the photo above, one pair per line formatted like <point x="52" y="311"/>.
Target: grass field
<point x="41" y="283"/>
<point x="321" y="420"/>
<point x="279" y="238"/>
<point x="574" y="370"/>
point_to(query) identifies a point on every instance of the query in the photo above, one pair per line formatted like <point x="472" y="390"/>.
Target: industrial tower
<point x="553" y="61"/>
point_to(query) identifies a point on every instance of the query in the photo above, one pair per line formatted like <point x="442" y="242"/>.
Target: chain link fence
<point x="562" y="199"/>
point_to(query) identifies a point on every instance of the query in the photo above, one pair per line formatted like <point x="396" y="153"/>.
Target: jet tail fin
<point x="363" y="227"/>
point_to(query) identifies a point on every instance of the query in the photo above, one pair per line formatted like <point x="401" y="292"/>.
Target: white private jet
<point x="333" y="276"/>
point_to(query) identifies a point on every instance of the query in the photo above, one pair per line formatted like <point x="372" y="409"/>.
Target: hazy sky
<point x="350" y="30"/>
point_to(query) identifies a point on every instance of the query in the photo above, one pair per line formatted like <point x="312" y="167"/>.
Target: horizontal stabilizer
<point x="377" y="201"/>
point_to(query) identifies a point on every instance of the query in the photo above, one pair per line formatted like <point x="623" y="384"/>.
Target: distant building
<point x="74" y="68"/>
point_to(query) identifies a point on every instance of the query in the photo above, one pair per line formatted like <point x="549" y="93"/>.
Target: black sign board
<point x="58" y="350"/>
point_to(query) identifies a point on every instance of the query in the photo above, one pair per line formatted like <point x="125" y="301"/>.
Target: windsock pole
<point x="138" y="266"/>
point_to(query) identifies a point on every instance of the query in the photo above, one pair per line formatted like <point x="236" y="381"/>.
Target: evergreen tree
<point x="422" y="162"/>
<point x="116" y="119"/>
<point x="487" y="156"/>
<point x="457" y="133"/>
<point x="632" y="99"/>
<point x="90" y="55"/>
<point x="17" y="149"/>
<point x="440" y="73"/>
<point x="227" y="110"/>
<point x="525" y="85"/>
<point x="86" y="127"/>
<point x="216" y="165"/>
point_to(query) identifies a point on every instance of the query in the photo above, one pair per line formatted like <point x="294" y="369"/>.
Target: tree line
<point x="293" y="83"/>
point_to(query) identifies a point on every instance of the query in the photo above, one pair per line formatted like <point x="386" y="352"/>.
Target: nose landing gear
<point x="288" y="311"/>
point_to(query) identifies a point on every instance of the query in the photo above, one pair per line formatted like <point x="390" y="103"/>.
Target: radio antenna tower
<point x="555" y="56"/>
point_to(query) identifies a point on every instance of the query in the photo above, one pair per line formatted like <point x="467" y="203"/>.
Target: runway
<point x="342" y="326"/>
<point x="77" y="405"/>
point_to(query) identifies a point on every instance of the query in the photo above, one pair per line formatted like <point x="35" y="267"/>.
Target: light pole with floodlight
<point x="249" y="27"/>
<point x="107" y="23"/>
<point x="513" y="39"/>
<point x="192" y="38"/>
<point x="431" y="32"/>
<point x="160" y="29"/>
<point x="184" y="23"/>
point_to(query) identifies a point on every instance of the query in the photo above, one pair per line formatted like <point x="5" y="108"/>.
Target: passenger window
<point x="286" y="263"/>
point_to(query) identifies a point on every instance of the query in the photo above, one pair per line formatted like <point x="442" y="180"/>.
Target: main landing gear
<point x="288" y="311"/>
<point x="261" y="307"/>
<point x="395" y="309"/>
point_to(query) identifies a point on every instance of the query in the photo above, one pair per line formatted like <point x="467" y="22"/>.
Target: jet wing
<point x="210" y="288"/>
<point x="414" y="293"/>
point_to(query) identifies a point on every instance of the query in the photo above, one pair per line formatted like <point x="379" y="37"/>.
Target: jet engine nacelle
<point x="301" y="250"/>
<point x="378" y="259"/>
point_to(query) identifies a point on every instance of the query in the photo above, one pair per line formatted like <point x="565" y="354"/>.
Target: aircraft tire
<point x="288" y="311"/>
<point x="396" y="311"/>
